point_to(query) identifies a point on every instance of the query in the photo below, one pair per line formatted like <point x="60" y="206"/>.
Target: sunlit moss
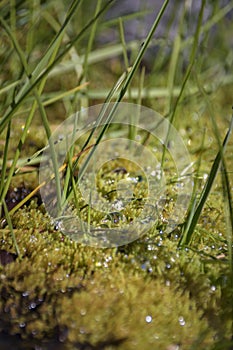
<point x="145" y="295"/>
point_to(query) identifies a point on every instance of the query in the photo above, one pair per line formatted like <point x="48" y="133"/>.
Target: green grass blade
<point x="9" y="222"/>
<point x="126" y="83"/>
<point x="27" y="88"/>
<point x="98" y="123"/>
<point x="227" y="196"/>
<point x="125" y="80"/>
<point x="191" y="61"/>
<point x="91" y="39"/>
<point x="28" y="121"/>
<point x="207" y="188"/>
<point x="142" y="51"/>
<point x="123" y="43"/>
<point x="4" y="163"/>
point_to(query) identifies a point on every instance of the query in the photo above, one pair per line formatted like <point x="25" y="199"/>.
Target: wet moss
<point x="145" y="295"/>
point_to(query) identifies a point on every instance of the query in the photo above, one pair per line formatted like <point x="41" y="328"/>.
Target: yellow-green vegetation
<point x="166" y="290"/>
<point x="146" y="295"/>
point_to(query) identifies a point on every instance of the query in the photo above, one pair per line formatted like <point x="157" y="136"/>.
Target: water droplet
<point x="32" y="306"/>
<point x="148" y="319"/>
<point x="181" y="321"/>
<point x="118" y="205"/>
<point x="173" y="347"/>
<point x="82" y="330"/>
<point x="83" y="312"/>
<point x="33" y="239"/>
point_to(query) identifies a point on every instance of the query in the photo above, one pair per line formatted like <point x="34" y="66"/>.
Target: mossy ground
<point x="148" y="294"/>
<point x="145" y="295"/>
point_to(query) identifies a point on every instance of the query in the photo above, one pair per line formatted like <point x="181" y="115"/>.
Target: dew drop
<point x="181" y="321"/>
<point x="213" y="288"/>
<point x="83" y="312"/>
<point x="148" y="319"/>
<point x="32" y="306"/>
<point x="82" y="330"/>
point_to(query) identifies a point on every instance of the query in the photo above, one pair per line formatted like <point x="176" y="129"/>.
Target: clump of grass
<point x="58" y="286"/>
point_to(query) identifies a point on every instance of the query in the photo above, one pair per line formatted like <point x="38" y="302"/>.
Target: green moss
<point x="144" y="295"/>
<point x="148" y="294"/>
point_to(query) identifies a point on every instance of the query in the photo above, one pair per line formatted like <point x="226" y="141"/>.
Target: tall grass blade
<point x="37" y="93"/>
<point x="126" y="83"/>
<point x="185" y="80"/>
<point x="185" y="240"/>
<point x="9" y="222"/>
<point x="39" y="73"/>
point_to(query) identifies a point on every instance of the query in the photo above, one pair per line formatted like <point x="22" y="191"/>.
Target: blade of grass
<point x="228" y="208"/>
<point x="10" y="86"/>
<point x="206" y="190"/>
<point x="185" y="80"/>
<point x="229" y="214"/>
<point x="4" y="163"/>
<point x="9" y="222"/>
<point x="211" y="22"/>
<point x="193" y="200"/>
<point x="91" y="39"/>
<point x="49" y="52"/>
<point x="69" y="173"/>
<point x="161" y="92"/>
<point x="102" y="112"/>
<point x="174" y="62"/>
<point x="29" y="119"/>
<point x="225" y="180"/>
<point x="98" y="55"/>
<point x="142" y="51"/>
<point x="123" y="43"/>
<point x="126" y="81"/>
<point x="191" y="61"/>
<point x="31" y="194"/>
<point x="41" y="73"/>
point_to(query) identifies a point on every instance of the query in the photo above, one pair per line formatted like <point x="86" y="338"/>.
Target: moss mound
<point x="146" y="295"/>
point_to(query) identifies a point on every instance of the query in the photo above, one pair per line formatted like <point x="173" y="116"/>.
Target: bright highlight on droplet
<point x="148" y="319"/>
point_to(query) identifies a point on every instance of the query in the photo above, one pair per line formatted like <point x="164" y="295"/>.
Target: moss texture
<point x="145" y="295"/>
